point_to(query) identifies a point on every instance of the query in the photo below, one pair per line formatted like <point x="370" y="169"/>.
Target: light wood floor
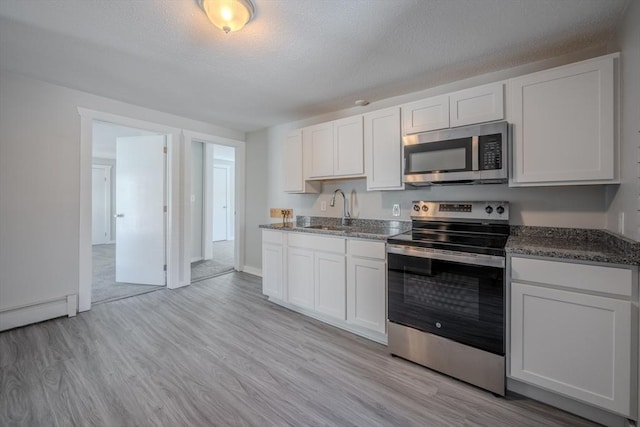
<point x="218" y="353"/>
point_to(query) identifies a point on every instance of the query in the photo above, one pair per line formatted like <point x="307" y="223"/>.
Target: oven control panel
<point x="494" y="211"/>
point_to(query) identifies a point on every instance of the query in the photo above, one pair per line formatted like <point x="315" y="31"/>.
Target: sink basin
<point x="327" y="227"/>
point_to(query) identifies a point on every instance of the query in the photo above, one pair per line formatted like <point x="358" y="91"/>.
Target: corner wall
<point x="624" y="199"/>
<point x="40" y="183"/>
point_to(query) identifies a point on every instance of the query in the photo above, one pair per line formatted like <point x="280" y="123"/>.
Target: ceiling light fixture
<point x="361" y="103"/>
<point x="228" y="15"/>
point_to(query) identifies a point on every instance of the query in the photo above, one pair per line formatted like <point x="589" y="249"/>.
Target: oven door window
<point x="461" y="302"/>
<point x="437" y="157"/>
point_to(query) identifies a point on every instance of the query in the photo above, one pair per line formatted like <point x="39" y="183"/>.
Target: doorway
<point x="128" y="211"/>
<point x="213" y="210"/>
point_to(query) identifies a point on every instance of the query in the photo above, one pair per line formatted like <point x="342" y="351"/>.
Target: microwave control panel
<point x="490" y="152"/>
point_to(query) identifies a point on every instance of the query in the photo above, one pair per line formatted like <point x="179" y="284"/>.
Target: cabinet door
<point x="320" y="141"/>
<point x="477" y="105"/>
<point x="366" y="293"/>
<point x="425" y="115"/>
<point x="348" y="152"/>
<point x="572" y="343"/>
<point x="272" y="269"/>
<point x="300" y="277"/>
<point x="292" y="163"/>
<point x="563" y="124"/>
<point x="383" y="150"/>
<point x="330" y="284"/>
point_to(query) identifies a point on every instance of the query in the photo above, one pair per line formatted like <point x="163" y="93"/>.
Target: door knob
<point x="118" y="216"/>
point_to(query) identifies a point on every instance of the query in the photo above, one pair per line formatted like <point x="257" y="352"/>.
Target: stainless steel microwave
<point x="470" y="154"/>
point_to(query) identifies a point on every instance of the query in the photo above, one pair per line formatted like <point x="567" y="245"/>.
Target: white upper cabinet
<point x="466" y="107"/>
<point x="564" y="125"/>
<point x="348" y="157"/>
<point x="477" y="105"/>
<point x="425" y="115"/>
<point x="319" y="139"/>
<point x="292" y="157"/>
<point x="383" y="150"/>
<point x="335" y="148"/>
<point x="294" y="166"/>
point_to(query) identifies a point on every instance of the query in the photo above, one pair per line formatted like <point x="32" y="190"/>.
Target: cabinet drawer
<point x="272" y="237"/>
<point x="616" y="281"/>
<point x="367" y="249"/>
<point x="317" y="243"/>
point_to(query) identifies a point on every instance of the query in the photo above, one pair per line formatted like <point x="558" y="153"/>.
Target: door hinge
<point x="165" y="267"/>
<point x="165" y="209"/>
<point x="164" y="150"/>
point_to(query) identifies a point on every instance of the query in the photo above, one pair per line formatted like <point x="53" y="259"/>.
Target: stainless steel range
<point x="446" y="296"/>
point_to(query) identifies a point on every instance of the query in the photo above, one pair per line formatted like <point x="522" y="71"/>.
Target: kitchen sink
<point x="327" y="227"/>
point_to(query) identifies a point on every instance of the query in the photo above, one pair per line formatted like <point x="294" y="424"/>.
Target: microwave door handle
<point x="474" y="153"/>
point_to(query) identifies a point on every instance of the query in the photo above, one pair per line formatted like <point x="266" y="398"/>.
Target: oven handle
<point x="463" y="258"/>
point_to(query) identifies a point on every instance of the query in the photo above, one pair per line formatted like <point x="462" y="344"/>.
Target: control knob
<point x="488" y="210"/>
<point x="416" y="208"/>
<point x="500" y="210"/>
<point x="425" y="208"/>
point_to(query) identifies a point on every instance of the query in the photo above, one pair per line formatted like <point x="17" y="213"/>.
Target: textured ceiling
<point x="296" y="59"/>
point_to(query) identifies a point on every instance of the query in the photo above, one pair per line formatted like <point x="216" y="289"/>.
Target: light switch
<point x="323" y="206"/>
<point x="396" y="209"/>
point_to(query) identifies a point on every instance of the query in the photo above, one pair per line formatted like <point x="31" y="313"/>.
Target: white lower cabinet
<point x="571" y="341"/>
<point x="366" y="293"/>
<point x="337" y="280"/>
<point x="300" y="277"/>
<point x="316" y="273"/>
<point x="272" y="264"/>
<point x="330" y="284"/>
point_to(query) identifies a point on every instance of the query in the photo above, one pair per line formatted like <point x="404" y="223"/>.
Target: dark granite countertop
<point x="372" y="229"/>
<point x="573" y="243"/>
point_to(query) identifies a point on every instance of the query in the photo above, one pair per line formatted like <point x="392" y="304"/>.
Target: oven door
<point x="457" y="297"/>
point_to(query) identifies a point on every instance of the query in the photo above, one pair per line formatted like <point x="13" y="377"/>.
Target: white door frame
<point x="108" y="201"/>
<point x="239" y="191"/>
<point x="176" y="200"/>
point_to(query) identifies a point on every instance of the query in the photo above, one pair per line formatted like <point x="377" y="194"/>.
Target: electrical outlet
<point x="621" y="222"/>
<point x="323" y="206"/>
<point x="396" y="209"/>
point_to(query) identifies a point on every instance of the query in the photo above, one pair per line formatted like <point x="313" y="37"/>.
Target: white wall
<point x="258" y="161"/>
<point x="624" y="199"/>
<point x="580" y="206"/>
<point x="39" y="183"/>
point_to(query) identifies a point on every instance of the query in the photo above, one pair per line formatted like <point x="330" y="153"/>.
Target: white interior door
<point x="100" y="204"/>
<point x="140" y="218"/>
<point x="220" y="203"/>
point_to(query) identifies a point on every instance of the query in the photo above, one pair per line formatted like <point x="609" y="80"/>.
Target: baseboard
<point x="252" y="270"/>
<point x="365" y="333"/>
<point x="581" y="409"/>
<point x="21" y="316"/>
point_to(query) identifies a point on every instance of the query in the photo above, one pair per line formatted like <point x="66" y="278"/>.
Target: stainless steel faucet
<point x="345" y="212"/>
